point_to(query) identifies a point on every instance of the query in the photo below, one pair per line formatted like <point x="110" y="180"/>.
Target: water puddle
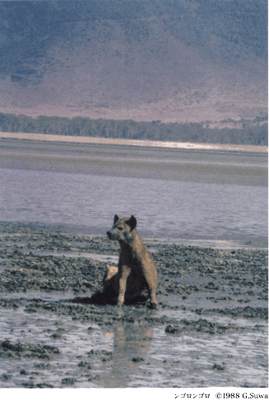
<point x="96" y="256"/>
<point x="47" y="296"/>
<point x="10" y="235"/>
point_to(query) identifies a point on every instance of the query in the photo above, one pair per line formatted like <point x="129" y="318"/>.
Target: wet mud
<point x="210" y="328"/>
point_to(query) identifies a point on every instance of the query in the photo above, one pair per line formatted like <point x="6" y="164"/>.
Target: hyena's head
<point x="122" y="229"/>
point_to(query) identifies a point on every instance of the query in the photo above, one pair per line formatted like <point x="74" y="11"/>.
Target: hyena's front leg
<point x="151" y="281"/>
<point x="153" y="300"/>
<point x="124" y="274"/>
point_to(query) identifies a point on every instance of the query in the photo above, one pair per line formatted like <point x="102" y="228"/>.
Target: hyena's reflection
<point x="131" y="346"/>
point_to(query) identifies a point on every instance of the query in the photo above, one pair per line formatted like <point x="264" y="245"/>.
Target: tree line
<point x="251" y="133"/>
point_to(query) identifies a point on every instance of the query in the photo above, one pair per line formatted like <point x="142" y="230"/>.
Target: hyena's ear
<point x="116" y="218"/>
<point x="132" y="222"/>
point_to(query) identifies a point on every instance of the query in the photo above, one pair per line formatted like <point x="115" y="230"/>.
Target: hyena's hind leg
<point x="111" y="284"/>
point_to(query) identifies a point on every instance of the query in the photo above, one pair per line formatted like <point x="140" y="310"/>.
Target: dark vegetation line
<point x="249" y="132"/>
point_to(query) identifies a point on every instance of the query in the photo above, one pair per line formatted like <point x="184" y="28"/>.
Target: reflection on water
<point x="131" y="345"/>
<point x="163" y="208"/>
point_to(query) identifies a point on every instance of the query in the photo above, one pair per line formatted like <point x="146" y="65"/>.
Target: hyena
<point x="136" y="269"/>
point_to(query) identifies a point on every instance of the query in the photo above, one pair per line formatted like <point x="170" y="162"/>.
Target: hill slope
<point x="188" y="60"/>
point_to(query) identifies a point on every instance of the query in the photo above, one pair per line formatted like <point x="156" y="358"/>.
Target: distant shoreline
<point x="134" y="142"/>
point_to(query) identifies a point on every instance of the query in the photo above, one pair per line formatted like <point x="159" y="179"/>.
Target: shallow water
<point x="164" y="208"/>
<point x="167" y="360"/>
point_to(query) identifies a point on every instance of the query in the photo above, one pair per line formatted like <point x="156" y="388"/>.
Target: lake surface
<point x="176" y="194"/>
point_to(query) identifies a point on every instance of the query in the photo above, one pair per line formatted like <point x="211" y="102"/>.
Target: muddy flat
<point x="210" y="328"/>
